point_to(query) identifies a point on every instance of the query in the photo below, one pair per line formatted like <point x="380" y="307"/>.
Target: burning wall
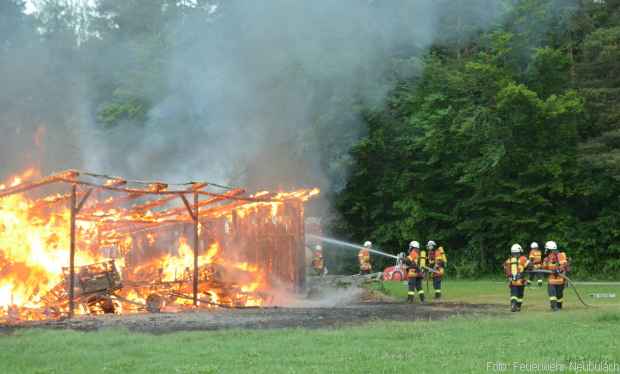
<point x="111" y="245"/>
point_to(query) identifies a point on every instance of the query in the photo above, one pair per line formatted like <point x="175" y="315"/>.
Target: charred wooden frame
<point x="132" y="220"/>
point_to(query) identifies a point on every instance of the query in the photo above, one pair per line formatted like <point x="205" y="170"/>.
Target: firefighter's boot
<point x="421" y="297"/>
<point x="513" y="306"/>
<point x="559" y="304"/>
<point x="410" y="297"/>
<point x="518" y="306"/>
<point x="554" y="306"/>
<point x="437" y="295"/>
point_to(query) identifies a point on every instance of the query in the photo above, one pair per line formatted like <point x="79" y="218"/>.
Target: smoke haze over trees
<point x="475" y="122"/>
<point x="259" y="93"/>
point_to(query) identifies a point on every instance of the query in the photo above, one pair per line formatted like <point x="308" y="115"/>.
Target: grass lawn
<point x="468" y="344"/>
<point x="497" y="292"/>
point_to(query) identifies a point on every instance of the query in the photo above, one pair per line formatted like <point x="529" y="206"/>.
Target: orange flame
<point x="35" y="241"/>
<point x="33" y="249"/>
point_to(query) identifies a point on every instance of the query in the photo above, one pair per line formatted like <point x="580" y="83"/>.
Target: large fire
<point x="134" y="254"/>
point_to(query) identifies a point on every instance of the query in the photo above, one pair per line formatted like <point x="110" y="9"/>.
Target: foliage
<point x="515" y="142"/>
<point x="125" y="108"/>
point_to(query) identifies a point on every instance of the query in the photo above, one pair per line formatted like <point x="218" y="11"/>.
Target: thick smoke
<point x="263" y="94"/>
<point x="250" y="82"/>
<point x="41" y="100"/>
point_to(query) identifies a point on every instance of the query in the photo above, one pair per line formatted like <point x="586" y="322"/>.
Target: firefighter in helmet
<point x="318" y="263"/>
<point x="415" y="263"/>
<point x="558" y="264"/>
<point x="437" y="261"/>
<point x="364" y="258"/>
<point x="514" y="268"/>
<point x="535" y="258"/>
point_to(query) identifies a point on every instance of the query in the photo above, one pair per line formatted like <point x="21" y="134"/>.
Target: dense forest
<point x="511" y="136"/>
<point x="472" y="123"/>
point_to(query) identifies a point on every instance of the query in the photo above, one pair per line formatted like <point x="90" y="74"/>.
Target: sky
<point x="31" y="5"/>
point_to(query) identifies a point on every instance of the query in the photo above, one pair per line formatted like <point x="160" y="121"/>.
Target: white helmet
<point x="551" y="245"/>
<point x="318" y="248"/>
<point x="414" y="244"/>
<point x="534" y="245"/>
<point x="431" y="244"/>
<point x="368" y="244"/>
<point x="516" y="248"/>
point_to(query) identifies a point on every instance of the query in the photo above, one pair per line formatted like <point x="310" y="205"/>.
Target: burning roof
<point x="76" y="242"/>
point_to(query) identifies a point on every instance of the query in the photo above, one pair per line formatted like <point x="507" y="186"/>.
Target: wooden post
<point x="194" y="213"/>
<point x="196" y="244"/>
<point x="72" y="252"/>
<point x="76" y="206"/>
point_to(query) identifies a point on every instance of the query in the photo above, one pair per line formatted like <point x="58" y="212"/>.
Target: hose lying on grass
<point x="570" y="282"/>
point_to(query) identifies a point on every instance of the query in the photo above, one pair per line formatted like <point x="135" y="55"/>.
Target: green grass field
<point x="497" y="292"/>
<point x="467" y="344"/>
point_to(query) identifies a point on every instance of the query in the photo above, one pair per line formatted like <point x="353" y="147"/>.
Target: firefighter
<point x="558" y="264"/>
<point x="514" y="268"/>
<point x="437" y="261"/>
<point x="415" y="263"/>
<point x="318" y="263"/>
<point x="535" y="258"/>
<point x="364" y="258"/>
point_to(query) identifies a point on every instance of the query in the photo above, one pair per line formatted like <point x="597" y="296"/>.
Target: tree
<point x="491" y="148"/>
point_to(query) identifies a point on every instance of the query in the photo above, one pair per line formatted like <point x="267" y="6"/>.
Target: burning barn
<point x="77" y="243"/>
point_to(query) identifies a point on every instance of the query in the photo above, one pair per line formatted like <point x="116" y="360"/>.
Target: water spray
<point x="349" y="245"/>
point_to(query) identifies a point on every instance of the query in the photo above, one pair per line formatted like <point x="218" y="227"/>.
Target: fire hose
<point x="567" y="279"/>
<point x="431" y="270"/>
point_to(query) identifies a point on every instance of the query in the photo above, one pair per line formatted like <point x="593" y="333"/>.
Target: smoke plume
<point x="263" y="94"/>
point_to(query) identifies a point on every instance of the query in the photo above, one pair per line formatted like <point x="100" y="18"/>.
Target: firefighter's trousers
<point x="415" y="284"/>
<point x="556" y="295"/>
<point x="516" y="295"/>
<point x="437" y="286"/>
